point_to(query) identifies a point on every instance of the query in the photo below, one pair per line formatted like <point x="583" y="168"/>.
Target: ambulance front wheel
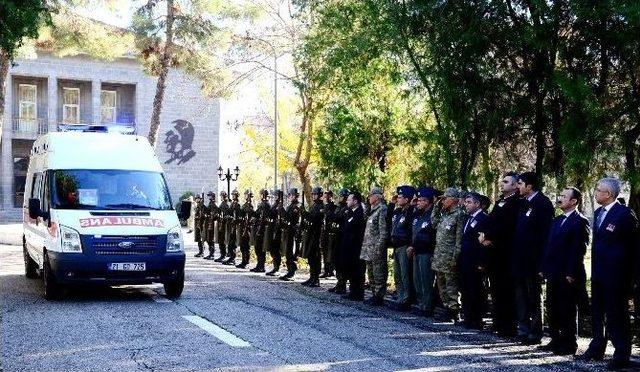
<point x="173" y="289"/>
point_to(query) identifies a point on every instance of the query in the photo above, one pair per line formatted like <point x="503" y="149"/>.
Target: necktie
<point x="603" y="212"/>
<point x="562" y="219"/>
<point x="468" y="223"/>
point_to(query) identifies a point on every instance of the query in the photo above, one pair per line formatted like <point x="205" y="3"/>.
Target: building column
<point x="52" y="102"/>
<point x="7" y="170"/>
<point x="96" y="88"/>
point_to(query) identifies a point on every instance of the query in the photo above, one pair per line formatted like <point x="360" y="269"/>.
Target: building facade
<point x="48" y="94"/>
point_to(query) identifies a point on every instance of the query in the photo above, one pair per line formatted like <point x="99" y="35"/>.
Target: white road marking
<point x="214" y="330"/>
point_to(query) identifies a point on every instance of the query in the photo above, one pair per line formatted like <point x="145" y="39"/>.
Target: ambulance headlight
<point x="174" y="240"/>
<point x="70" y="240"/>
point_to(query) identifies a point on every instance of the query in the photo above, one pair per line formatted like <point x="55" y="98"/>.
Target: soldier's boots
<point x="311" y="282"/>
<point x="219" y="259"/>
<point x="257" y="269"/>
<point x="241" y="265"/>
<point x="327" y="274"/>
<point x="340" y="288"/>
<point x="230" y="261"/>
<point x="199" y="254"/>
<point x="374" y="301"/>
<point x="274" y="271"/>
<point x="288" y="275"/>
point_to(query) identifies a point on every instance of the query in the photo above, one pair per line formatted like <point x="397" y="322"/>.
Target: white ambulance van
<point x="97" y="210"/>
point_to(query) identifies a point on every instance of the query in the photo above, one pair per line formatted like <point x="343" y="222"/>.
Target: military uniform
<point x="289" y="220"/>
<point x="197" y="230"/>
<point x="231" y="220"/>
<point x="210" y="224"/>
<point x="326" y="248"/>
<point x="223" y="210"/>
<point x="260" y="216"/>
<point x="400" y="240"/>
<point x="243" y="227"/>
<point x="423" y="242"/>
<point x="311" y="247"/>
<point x="374" y="249"/>
<point x="272" y="234"/>
<point x="336" y="224"/>
<point x="449" y="225"/>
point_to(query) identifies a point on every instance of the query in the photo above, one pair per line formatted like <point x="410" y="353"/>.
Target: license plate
<point x="127" y="266"/>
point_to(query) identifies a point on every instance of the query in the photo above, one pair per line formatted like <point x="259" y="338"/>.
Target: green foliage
<point x="19" y="20"/>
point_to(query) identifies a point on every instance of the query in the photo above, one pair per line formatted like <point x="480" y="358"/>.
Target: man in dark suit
<point x="532" y="230"/>
<point x="351" y="243"/>
<point x="614" y="249"/>
<point x="499" y="240"/>
<point x="563" y="267"/>
<point x="472" y="262"/>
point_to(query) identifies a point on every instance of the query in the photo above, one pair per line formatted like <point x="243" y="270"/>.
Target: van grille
<point x="126" y="245"/>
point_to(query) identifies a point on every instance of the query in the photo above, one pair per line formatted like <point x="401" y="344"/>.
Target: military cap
<point x="451" y="192"/>
<point x="426" y="192"/>
<point x="275" y="191"/>
<point x="248" y="193"/>
<point x="406" y="191"/>
<point x="328" y="192"/>
<point x="235" y="192"/>
<point x="198" y="197"/>
<point x="316" y="191"/>
<point x="293" y="191"/>
<point x="343" y="192"/>
<point x="375" y="191"/>
<point x="264" y="192"/>
<point x="223" y="193"/>
<point x="211" y="193"/>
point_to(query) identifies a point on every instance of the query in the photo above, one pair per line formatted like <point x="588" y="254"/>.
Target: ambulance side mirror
<point x="34" y="209"/>
<point x="185" y="210"/>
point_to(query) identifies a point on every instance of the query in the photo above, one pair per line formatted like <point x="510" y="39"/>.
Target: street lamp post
<point x="229" y="177"/>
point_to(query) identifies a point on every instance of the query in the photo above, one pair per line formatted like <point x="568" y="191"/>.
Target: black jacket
<point x="532" y="232"/>
<point x="566" y="247"/>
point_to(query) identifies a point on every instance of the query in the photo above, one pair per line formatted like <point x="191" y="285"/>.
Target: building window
<point x="28" y="107"/>
<point x="71" y="105"/>
<point x="108" y="106"/>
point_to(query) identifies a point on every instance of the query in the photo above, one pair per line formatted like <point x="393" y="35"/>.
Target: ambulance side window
<point x="35" y="186"/>
<point x="45" y="200"/>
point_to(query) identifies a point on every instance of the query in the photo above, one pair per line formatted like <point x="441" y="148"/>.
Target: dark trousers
<point x="223" y="249"/>
<point x="503" y="300"/>
<point x="274" y="250"/>
<point x="528" y="303"/>
<point x="245" y="251"/>
<point x="609" y="299"/>
<point x="474" y="295"/>
<point x="314" y="263"/>
<point x="200" y="247"/>
<point x="290" y="258"/>
<point x="261" y="256"/>
<point x="327" y="254"/>
<point x="357" y="268"/>
<point x="562" y="302"/>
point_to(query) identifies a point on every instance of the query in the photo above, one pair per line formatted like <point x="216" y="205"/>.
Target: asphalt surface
<point x="230" y="319"/>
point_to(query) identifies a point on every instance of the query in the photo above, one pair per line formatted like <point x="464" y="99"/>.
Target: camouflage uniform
<point x="223" y="211"/>
<point x="449" y="226"/>
<point x="374" y="249"/>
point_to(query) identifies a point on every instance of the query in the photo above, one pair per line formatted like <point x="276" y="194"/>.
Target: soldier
<point x="472" y="264"/>
<point x="198" y="220"/>
<point x="614" y="257"/>
<point x="325" y="248"/>
<point x="261" y="215"/>
<point x="374" y="247"/>
<point x="498" y="241"/>
<point x="289" y="220"/>
<point x="243" y="227"/>
<point x="563" y="267"/>
<point x="532" y="230"/>
<point x="210" y="224"/>
<point x="312" y="229"/>
<point x="272" y="236"/>
<point x="421" y="249"/>
<point x="401" y="221"/>
<point x="231" y="220"/>
<point x="448" y="220"/>
<point x="335" y="241"/>
<point x="223" y="211"/>
<point x="353" y="267"/>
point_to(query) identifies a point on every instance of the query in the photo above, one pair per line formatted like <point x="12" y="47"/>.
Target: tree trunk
<point x="4" y="71"/>
<point x="305" y="141"/>
<point x="154" y="126"/>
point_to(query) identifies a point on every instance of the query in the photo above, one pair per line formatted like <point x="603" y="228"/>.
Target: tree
<point x="19" y="20"/>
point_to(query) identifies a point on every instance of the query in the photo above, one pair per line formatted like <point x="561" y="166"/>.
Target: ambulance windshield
<point x="110" y="190"/>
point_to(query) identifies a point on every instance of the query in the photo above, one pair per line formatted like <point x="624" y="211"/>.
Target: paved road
<point x="228" y="319"/>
